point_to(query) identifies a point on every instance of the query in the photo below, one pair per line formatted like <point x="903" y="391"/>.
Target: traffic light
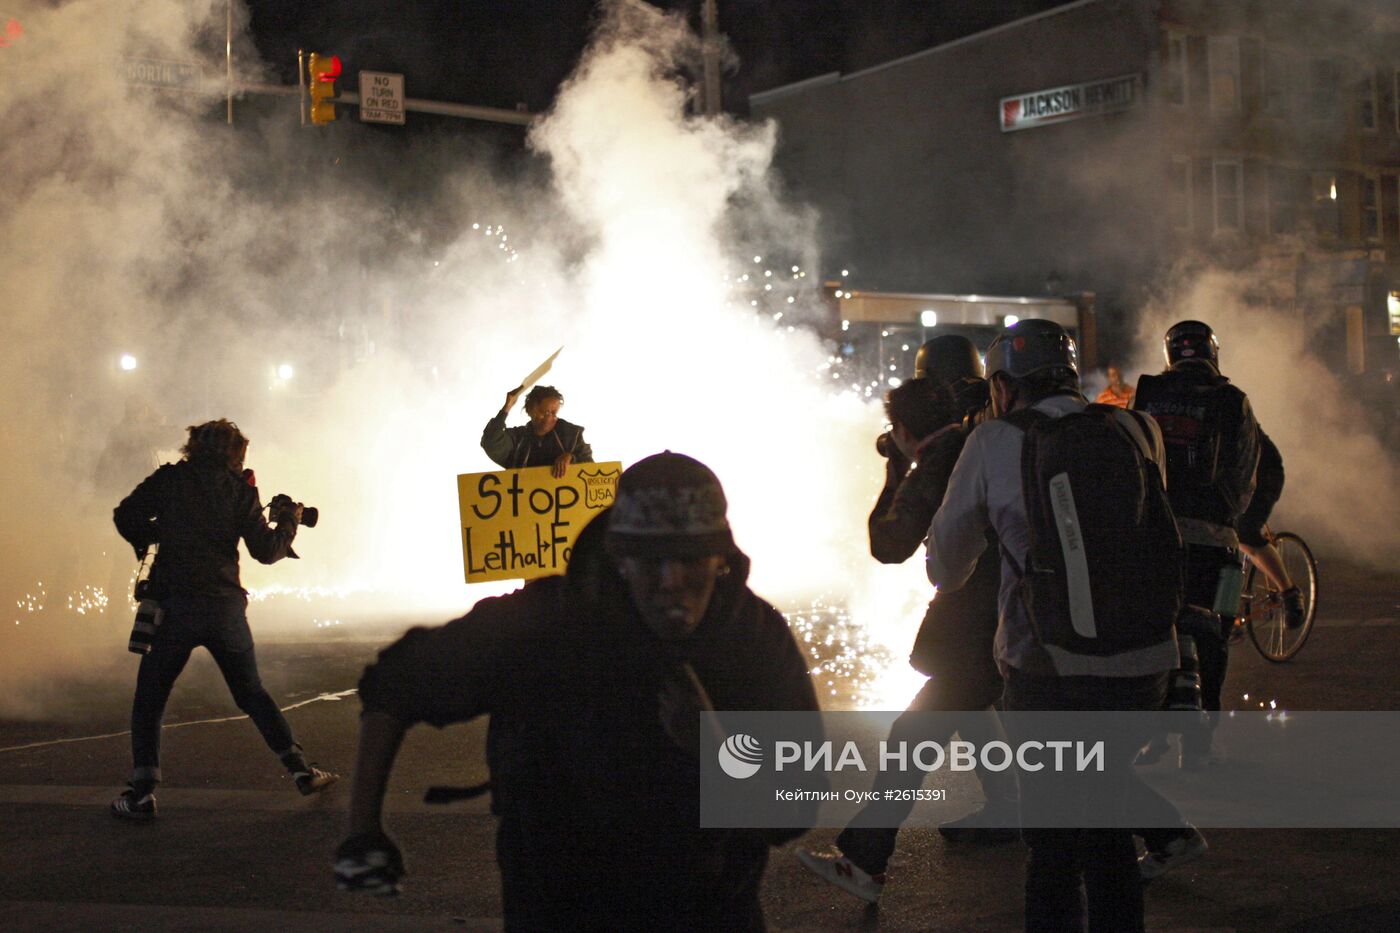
<point x="10" y="30"/>
<point x="324" y="69"/>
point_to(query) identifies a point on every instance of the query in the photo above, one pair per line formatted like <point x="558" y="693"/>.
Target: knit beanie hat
<point x="668" y="505"/>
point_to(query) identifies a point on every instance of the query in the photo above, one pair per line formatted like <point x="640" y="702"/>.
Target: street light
<point x="128" y="362"/>
<point x="285" y="371"/>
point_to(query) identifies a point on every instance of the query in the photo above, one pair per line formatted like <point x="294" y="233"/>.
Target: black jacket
<point x="599" y="807"/>
<point x="1190" y="402"/>
<point x="197" y="513"/>
<point x="955" y="639"/>
<point x="518" y="447"/>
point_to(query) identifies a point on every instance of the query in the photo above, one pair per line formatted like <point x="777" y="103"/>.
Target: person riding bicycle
<point x="1212" y="441"/>
<point x="1254" y="539"/>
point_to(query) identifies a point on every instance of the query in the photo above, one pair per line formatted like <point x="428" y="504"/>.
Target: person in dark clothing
<point x="1213" y="449"/>
<point x="196" y="511"/>
<point x="594" y="682"/>
<point x="954" y="644"/>
<point x="1268" y="487"/>
<point x="547" y="440"/>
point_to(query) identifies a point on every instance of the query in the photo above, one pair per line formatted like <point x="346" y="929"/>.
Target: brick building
<point x="1102" y="146"/>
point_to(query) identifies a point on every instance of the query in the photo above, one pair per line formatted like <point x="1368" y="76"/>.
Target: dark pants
<point x="220" y="624"/>
<point x="945" y="705"/>
<point x="1072" y="874"/>
<point x="1203" y="566"/>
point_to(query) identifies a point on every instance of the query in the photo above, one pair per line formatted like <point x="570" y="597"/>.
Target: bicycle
<point x="1261" y="605"/>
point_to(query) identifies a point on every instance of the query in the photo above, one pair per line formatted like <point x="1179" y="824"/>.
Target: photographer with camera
<point x="930" y="417"/>
<point x="196" y="511"/>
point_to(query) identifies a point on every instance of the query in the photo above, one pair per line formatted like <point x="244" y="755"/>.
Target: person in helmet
<point x="948" y="358"/>
<point x="1034" y="365"/>
<point x="1213" y="452"/>
<point x="954" y="644"/>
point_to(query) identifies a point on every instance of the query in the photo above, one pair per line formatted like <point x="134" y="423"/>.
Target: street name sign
<point x="157" y="72"/>
<point x="381" y="97"/>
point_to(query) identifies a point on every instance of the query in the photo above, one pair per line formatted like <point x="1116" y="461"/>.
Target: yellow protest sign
<point x="521" y="524"/>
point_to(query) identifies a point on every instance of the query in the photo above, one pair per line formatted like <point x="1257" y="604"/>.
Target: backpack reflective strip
<point x="1081" y="599"/>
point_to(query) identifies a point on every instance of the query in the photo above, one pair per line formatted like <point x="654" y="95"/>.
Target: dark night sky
<point x="500" y="52"/>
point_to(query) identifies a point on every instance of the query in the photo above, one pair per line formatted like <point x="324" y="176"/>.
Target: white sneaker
<point x="842" y="872"/>
<point x="1178" y="852"/>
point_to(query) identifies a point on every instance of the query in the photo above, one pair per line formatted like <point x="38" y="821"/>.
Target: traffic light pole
<point x="416" y="104"/>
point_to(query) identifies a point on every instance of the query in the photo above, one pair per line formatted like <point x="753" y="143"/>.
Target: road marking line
<point x="175" y="725"/>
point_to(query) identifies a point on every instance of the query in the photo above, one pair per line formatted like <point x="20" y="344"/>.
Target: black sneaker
<point x="313" y="780"/>
<point x="1293" y="614"/>
<point x="130" y="806"/>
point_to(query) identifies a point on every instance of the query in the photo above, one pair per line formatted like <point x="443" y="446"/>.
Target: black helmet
<point x="1192" y="341"/>
<point x="1029" y="346"/>
<point x="946" y="359"/>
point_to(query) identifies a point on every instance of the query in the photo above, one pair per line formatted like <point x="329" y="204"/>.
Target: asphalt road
<point x="236" y="848"/>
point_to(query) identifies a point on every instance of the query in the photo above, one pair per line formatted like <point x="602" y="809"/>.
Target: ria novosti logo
<point x="740" y="756"/>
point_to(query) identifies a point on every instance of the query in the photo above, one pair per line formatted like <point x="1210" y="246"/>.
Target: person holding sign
<point x="594" y="682"/>
<point x="547" y="440"/>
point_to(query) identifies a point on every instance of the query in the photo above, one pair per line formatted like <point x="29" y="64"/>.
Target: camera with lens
<point x="885" y="445"/>
<point x="283" y="505"/>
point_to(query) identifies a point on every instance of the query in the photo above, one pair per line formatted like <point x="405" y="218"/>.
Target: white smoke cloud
<point x="136" y="223"/>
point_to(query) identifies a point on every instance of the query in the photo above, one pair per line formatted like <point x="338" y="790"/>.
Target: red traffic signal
<point x="327" y="68"/>
<point x="12" y="31"/>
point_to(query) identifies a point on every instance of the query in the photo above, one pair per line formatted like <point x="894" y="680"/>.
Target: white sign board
<point x="1058" y="104"/>
<point x="157" y="72"/>
<point x="381" y="97"/>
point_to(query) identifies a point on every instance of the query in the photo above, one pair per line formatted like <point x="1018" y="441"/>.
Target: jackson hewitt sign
<point x="1058" y="104"/>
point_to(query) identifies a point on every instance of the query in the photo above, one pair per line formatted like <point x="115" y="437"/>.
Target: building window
<point x="1371" y="207"/>
<point x="1284" y="200"/>
<point x="1224" y="54"/>
<point x="1327" y="218"/>
<point x="1175" y="82"/>
<point x="1323" y="87"/>
<point x="1179" y="188"/>
<point x="1228" y="177"/>
<point x="1366" y="109"/>
<point x="1277" y="81"/>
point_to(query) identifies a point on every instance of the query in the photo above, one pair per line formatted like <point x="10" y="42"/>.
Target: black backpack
<point x="1104" y="569"/>
<point x="1200" y="423"/>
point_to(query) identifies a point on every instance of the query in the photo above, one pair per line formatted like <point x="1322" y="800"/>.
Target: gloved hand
<point x="369" y="862"/>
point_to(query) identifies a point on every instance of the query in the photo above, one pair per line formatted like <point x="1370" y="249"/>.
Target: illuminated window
<point x="1175" y="82"/>
<point x="1392" y="304"/>
<point x="1228" y="187"/>
<point x="1224" y="54"/>
<point x="1327" y="218"/>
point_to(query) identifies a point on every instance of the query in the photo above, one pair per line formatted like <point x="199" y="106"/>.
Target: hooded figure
<point x="594" y="682"/>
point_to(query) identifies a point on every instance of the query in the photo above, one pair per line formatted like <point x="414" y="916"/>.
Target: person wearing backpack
<point x="1067" y="639"/>
<point x="1213" y="451"/>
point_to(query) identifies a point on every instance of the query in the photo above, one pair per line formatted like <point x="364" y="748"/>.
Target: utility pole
<point x="710" y="48"/>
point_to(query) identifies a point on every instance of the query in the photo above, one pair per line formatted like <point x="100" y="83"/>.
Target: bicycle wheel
<point x="1264" y="608"/>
